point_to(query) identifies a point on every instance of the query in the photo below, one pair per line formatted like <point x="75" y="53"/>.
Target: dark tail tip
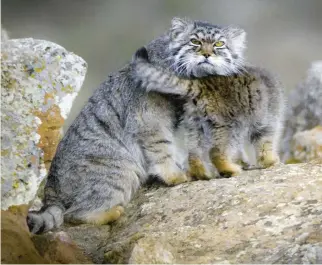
<point x="141" y="54"/>
<point x="35" y="223"/>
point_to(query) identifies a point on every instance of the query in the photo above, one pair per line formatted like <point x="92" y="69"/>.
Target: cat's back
<point x="104" y="120"/>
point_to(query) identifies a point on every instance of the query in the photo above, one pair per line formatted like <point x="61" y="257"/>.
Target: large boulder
<point x="39" y="81"/>
<point x="262" y="216"/>
<point x="18" y="246"/>
<point x="304" y="109"/>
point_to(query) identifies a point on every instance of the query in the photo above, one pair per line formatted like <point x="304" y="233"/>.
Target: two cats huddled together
<point x="184" y="107"/>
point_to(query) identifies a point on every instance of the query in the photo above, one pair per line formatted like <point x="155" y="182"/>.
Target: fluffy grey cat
<point x="122" y="136"/>
<point x="232" y="101"/>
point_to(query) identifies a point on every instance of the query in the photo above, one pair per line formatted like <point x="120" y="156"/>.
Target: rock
<point x="20" y="247"/>
<point x="262" y="216"/>
<point x="304" y="108"/>
<point x="91" y="238"/>
<point x="151" y="251"/>
<point x="39" y="81"/>
<point x="306" y="146"/>
<point x="16" y="244"/>
<point x="60" y="248"/>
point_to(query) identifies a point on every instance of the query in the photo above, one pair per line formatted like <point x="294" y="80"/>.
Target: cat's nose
<point x="206" y="55"/>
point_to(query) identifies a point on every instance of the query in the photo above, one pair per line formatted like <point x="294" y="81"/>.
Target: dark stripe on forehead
<point x="201" y="31"/>
<point x="204" y="24"/>
<point x="216" y="32"/>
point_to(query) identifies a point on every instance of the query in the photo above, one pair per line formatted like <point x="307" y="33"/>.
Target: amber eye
<point x="195" y="42"/>
<point x="219" y="44"/>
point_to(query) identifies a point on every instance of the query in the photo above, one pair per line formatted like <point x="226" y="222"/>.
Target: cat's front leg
<point x="224" y="150"/>
<point x="267" y="155"/>
<point x="200" y="169"/>
<point x="200" y="166"/>
<point x="265" y="140"/>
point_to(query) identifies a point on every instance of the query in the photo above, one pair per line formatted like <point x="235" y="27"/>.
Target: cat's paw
<point x="198" y="170"/>
<point x="227" y="168"/>
<point x="266" y="154"/>
<point x="268" y="160"/>
<point x="176" y="178"/>
<point x="169" y="173"/>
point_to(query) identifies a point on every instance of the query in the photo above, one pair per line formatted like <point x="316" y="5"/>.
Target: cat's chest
<point x="232" y="97"/>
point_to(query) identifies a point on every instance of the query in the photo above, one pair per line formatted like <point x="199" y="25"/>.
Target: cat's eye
<point x="195" y="42"/>
<point x="219" y="44"/>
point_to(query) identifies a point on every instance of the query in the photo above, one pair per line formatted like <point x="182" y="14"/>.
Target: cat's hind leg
<point x="160" y="150"/>
<point x="106" y="188"/>
<point x="101" y="217"/>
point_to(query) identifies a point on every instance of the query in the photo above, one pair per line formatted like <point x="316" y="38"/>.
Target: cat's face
<point x="200" y="49"/>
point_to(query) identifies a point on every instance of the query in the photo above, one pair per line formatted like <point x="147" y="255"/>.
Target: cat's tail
<point x="47" y="218"/>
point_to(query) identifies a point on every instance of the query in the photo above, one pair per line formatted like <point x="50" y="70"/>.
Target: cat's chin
<point x="203" y="70"/>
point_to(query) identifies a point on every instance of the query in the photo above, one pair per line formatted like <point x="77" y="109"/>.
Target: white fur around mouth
<point x="204" y="62"/>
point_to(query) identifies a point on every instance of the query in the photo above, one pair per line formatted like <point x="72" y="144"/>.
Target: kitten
<point x="247" y="105"/>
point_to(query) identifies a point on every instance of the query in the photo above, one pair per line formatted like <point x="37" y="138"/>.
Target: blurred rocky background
<point x="284" y="36"/>
<point x="302" y="139"/>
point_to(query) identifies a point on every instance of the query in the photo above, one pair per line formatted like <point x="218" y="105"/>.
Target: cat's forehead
<point x="205" y="30"/>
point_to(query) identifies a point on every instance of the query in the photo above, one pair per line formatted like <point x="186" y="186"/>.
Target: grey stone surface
<point x="39" y="81"/>
<point x="262" y="216"/>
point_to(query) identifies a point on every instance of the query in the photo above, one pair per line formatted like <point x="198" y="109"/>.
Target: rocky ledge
<point x="262" y="216"/>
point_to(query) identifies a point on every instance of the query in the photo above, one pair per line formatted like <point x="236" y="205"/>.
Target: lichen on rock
<point x="39" y="81"/>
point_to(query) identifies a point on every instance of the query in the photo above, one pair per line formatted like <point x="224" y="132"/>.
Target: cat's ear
<point x="180" y="25"/>
<point x="236" y="37"/>
<point x="141" y="55"/>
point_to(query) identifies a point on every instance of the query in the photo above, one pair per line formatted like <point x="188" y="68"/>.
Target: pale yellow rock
<point x="307" y="145"/>
<point x="262" y="216"/>
<point x="153" y="250"/>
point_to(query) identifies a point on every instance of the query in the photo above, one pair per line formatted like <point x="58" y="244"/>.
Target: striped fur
<point x="121" y="137"/>
<point x="234" y="109"/>
<point x="124" y="135"/>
